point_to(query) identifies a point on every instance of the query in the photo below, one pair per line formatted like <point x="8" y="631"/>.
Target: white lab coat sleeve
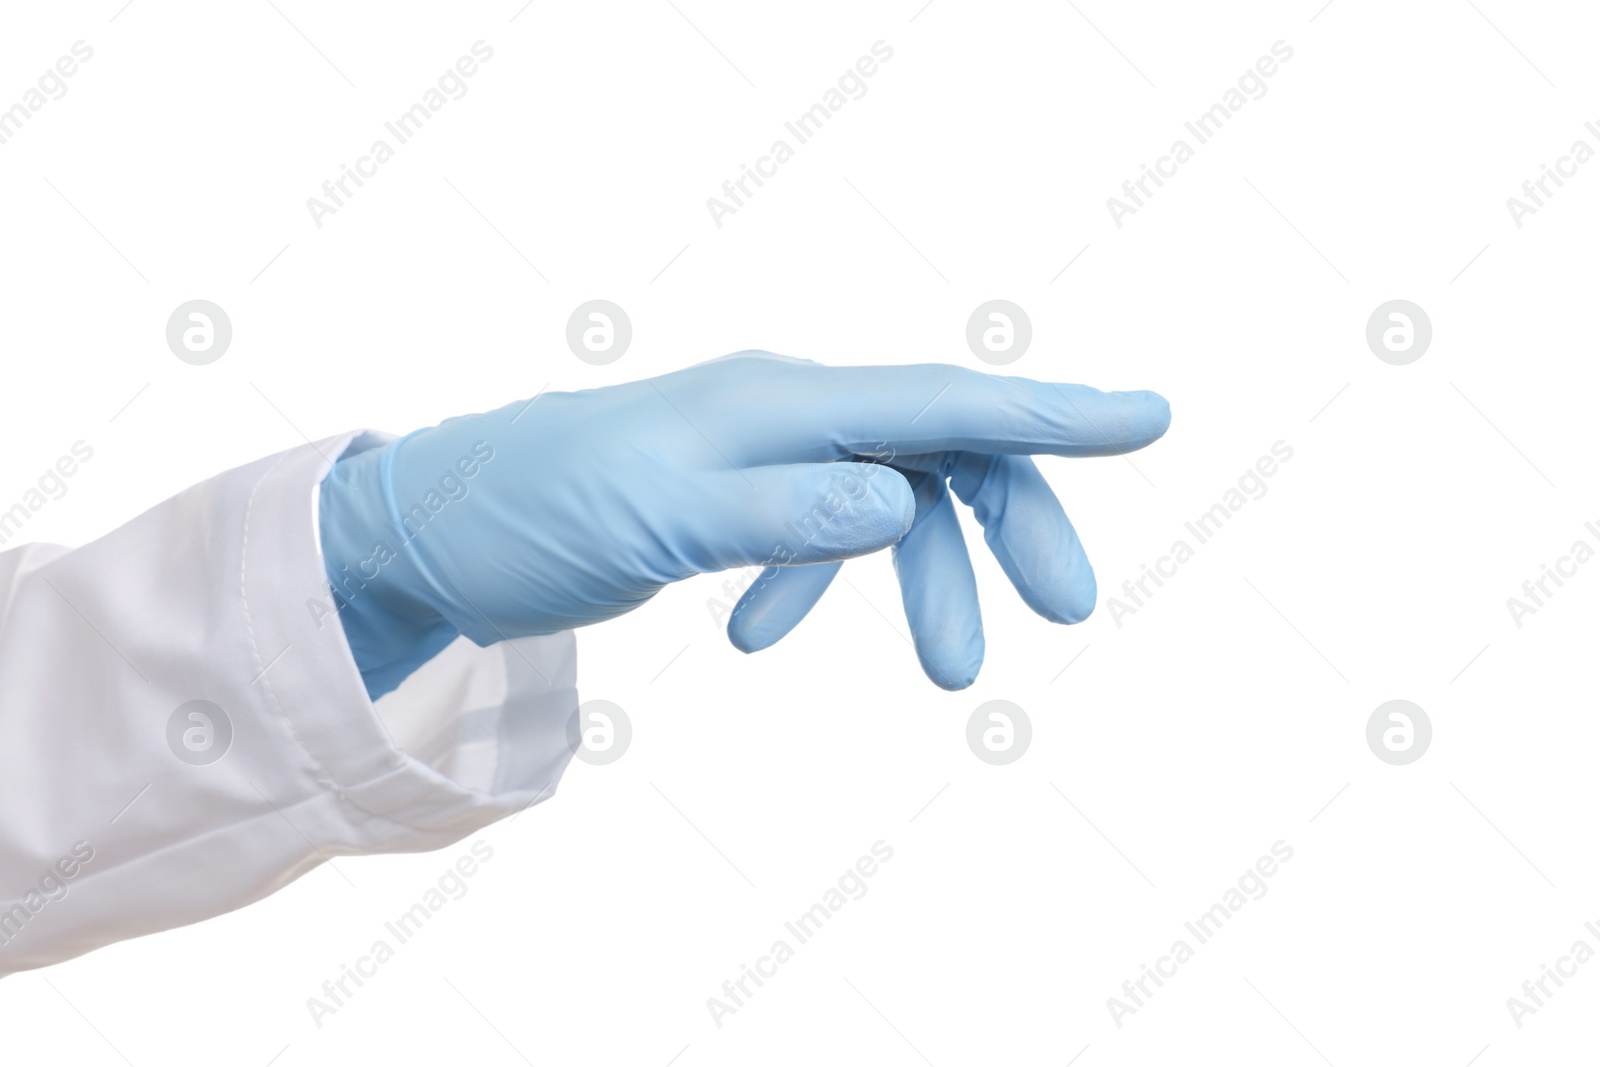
<point x="121" y="813"/>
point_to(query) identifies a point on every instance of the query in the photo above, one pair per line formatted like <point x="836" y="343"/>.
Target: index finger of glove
<point x="761" y="410"/>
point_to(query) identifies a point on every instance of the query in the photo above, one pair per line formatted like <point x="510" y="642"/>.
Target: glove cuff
<point x="386" y="596"/>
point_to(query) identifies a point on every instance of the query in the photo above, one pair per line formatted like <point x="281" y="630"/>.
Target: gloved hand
<point x="574" y="508"/>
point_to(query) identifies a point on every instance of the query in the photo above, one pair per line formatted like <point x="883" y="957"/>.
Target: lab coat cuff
<point x="473" y="735"/>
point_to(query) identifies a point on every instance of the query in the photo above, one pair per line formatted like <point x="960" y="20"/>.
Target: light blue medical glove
<point x="573" y="508"/>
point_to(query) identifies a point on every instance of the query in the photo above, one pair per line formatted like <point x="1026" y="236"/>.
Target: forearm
<point x="215" y="604"/>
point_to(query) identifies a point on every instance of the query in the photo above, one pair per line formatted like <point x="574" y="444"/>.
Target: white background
<point x="1176" y="748"/>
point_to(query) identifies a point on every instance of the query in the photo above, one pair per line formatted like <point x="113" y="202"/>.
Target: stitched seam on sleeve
<point x="324" y="777"/>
